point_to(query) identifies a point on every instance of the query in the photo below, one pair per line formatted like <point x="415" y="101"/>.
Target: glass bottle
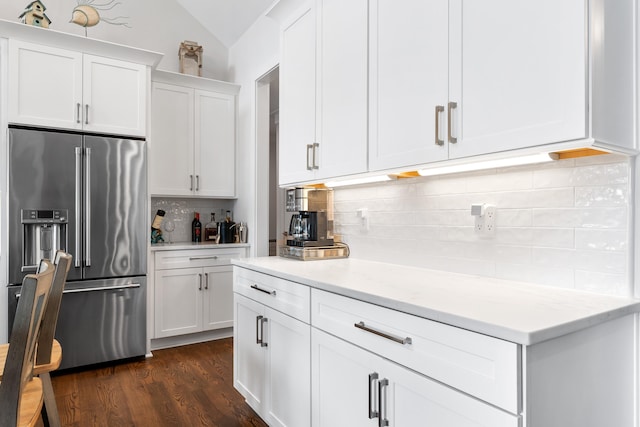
<point x="196" y="228"/>
<point x="211" y="230"/>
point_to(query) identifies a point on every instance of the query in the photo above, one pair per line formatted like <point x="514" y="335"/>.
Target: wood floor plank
<point x="182" y="386"/>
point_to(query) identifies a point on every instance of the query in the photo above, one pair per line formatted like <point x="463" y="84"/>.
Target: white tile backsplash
<point x="562" y="224"/>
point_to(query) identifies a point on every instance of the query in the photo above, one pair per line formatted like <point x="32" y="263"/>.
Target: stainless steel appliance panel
<point x="99" y="320"/>
<point x="41" y="176"/>
<point x="115" y="207"/>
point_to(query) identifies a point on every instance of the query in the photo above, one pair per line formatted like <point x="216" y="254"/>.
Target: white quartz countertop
<point x="191" y="245"/>
<point x="514" y="311"/>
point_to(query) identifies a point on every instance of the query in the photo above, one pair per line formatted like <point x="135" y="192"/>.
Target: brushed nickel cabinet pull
<point x="263" y="342"/>
<point x="382" y="419"/>
<point x="258" y="288"/>
<point x="200" y="281"/>
<point x="439" y="110"/>
<point x="78" y="112"/>
<point x="191" y="185"/>
<point x="206" y="281"/>
<point x="86" y="114"/>
<point x="452" y="106"/>
<point x="309" y="165"/>
<point x="394" y="338"/>
<point x="316" y="147"/>
<point x="258" y="337"/>
<point x="372" y="413"/>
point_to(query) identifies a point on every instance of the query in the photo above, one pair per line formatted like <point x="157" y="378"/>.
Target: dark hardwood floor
<point x="183" y="386"/>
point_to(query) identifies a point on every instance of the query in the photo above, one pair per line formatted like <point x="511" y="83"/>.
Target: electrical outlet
<point x="489" y="220"/>
<point x="485" y="220"/>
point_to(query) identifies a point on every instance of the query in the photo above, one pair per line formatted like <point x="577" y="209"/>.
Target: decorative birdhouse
<point x="34" y="15"/>
<point x="190" y="55"/>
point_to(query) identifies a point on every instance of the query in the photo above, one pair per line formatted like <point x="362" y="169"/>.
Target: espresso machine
<point x="311" y="223"/>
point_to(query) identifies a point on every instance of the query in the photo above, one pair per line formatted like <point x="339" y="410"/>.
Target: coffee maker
<point x="311" y="224"/>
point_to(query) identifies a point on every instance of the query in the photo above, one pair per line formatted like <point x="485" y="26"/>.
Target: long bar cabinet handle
<point x="316" y="147"/>
<point x="197" y="182"/>
<point x="196" y="258"/>
<point x="439" y="110"/>
<point x="199" y="281"/>
<point x="206" y="281"/>
<point x="382" y="419"/>
<point x="78" y="112"/>
<point x="258" y="337"/>
<point x="394" y="338"/>
<point x="263" y="342"/>
<point x="309" y="165"/>
<point x="191" y="185"/>
<point x="452" y="106"/>
<point x="372" y="413"/>
<point x="258" y="288"/>
<point x="86" y="114"/>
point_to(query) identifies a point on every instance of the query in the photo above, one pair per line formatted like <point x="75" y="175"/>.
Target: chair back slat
<point x="62" y="264"/>
<point x="18" y="369"/>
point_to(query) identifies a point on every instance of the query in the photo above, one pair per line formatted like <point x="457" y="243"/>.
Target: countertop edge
<point x="530" y="337"/>
<point x="189" y="245"/>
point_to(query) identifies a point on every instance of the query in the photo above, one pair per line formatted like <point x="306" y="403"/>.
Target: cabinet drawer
<point x="483" y="366"/>
<point x="196" y="258"/>
<point x="288" y="297"/>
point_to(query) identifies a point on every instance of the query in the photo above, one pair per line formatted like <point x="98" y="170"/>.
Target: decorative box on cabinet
<point x="193" y="290"/>
<point x="323" y="90"/>
<point x="272" y="347"/>
<point x="193" y="129"/>
<point x="67" y="89"/>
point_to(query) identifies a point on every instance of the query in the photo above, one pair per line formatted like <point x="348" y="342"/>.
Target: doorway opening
<point x="269" y="198"/>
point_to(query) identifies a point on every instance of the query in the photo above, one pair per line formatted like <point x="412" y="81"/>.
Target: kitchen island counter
<point x="514" y="311"/>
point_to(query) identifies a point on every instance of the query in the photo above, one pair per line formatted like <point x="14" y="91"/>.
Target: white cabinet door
<point x="339" y="379"/>
<point x="298" y="99"/>
<point x="218" y="297"/>
<point x="354" y="387"/>
<point x="409" y="77"/>
<point x="342" y="88"/>
<point x="517" y="73"/>
<point x="178" y="301"/>
<point x="215" y="148"/>
<point x="248" y="355"/>
<point x="45" y="86"/>
<point x="115" y="96"/>
<point x="288" y="342"/>
<point x="171" y="143"/>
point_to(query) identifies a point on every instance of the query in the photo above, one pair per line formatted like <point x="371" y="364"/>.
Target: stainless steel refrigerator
<point x="86" y="194"/>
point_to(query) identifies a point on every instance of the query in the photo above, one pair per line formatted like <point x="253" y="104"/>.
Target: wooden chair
<point x="21" y="395"/>
<point x="49" y="351"/>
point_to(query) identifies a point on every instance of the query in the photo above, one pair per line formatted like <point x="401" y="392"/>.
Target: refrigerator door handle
<point x="87" y="208"/>
<point x="77" y="256"/>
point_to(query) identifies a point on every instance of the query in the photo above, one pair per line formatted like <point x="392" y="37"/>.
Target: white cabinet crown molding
<point x="194" y="82"/>
<point x="48" y="37"/>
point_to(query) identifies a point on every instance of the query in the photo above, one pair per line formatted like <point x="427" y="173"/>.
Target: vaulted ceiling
<point x="226" y="19"/>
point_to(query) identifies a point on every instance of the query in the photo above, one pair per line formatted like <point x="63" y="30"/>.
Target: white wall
<point x="566" y="224"/>
<point x="159" y="26"/>
<point x="257" y="52"/>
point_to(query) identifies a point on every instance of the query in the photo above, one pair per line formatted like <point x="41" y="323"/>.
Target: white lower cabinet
<point x="354" y="387"/>
<point x="193" y="291"/>
<point x="271" y="356"/>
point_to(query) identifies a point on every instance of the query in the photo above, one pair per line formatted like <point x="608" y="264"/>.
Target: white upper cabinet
<point x="408" y="82"/>
<point x="67" y="89"/>
<point x="342" y="87"/>
<point x="323" y="104"/>
<point x="517" y="74"/>
<point x="298" y="99"/>
<point x="192" y="150"/>
<point x="114" y="96"/>
<point x="453" y="79"/>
